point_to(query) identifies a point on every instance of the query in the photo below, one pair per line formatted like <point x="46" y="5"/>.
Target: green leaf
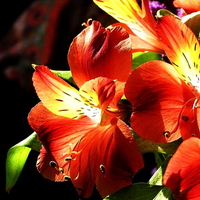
<point x="141" y="57"/>
<point x="164" y="194"/>
<point x="160" y="158"/>
<point x="157" y="177"/>
<point x="141" y="191"/>
<point x="162" y="12"/>
<point x="66" y="75"/>
<point x="149" y="146"/>
<point x="16" y="159"/>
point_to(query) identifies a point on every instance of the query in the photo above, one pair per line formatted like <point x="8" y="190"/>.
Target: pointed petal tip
<point x="34" y="66"/>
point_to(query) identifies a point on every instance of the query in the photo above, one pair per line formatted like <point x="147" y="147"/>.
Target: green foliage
<point x="16" y="159"/>
<point x="66" y="75"/>
<point x="141" y="57"/>
<point x="157" y="177"/>
<point x="145" y="145"/>
<point x="162" y="12"/>
<point x="142" y="191"/>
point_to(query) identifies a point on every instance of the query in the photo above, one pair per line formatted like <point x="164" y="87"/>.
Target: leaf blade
<point x="139" y="191"/>
<point x="16" y="158"/>
<point x="66" y="75"/>
<point x="15" y="161"/>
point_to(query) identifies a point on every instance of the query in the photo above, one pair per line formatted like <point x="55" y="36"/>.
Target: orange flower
<point x="82" y="131"/>
<point x="83" y="139"/>
<point x="165" y="97"/>
<point x="139" y="23"/>
<point x="99" y="51"/>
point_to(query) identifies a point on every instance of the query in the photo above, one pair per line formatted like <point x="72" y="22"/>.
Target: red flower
<point x="84" y="138"/>
<point x="97" y="51"/>
<point x="139" y="23"/>
<point x="182" y="175"/>
<point x="165" y="97"/>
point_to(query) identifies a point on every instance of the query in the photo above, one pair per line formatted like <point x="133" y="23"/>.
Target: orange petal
<point x="56" y="94"/>
<point x="182" y="175"/>
<point x="189" y="6"/>
<point x="97" y="51"/>
<point x="140" y="21"/>
<point x="109" y="158"/>
<point x="58" y="135"/>
<point x="182" y="49"/>
<point x="189" y="120"/>
<point x="157" y="95"/>
<point x="87" y="153"/>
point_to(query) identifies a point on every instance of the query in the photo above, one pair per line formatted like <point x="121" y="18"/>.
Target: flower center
<point x="93" y="113"/>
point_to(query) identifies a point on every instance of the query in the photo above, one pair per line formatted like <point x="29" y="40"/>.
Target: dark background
<point x="16" y="102"/>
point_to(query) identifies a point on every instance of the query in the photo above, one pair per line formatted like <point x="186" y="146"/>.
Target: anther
<point x="67" y="178"/>
<point x="185" y="118"/>
<point x="60" y="169"/>
<point x="68" y="158"/>
<point x="102" y="168"/>
<point x="53" y="164"/>
<point x="167" y="134"/>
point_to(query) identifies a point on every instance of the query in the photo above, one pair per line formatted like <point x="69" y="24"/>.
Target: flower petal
<point x="109" y="157"/>
<point x="182" y="175"/>
<point x="140" y="21"/>
<point x="189" y="120"/>
<point x="98" y="91"/>
<point x="58" y="135"/>
<point x="97" y="51"/>
<point x="157" y="95"/>
<point x="85" y="152"/>
<point x="63" y="100"/>
<point x="56" y="94"/>
<point x="189" y="6"/>
<point x="182" y="49"/>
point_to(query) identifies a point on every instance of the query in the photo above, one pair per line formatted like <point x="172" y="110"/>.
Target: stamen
<point x="68" y="158"/>
<point x="53" y="164"/>
<point x="67" y="178"/>
<point x="88" y="23"/>
<point x="60" y="169"/>
<point x="70" y="152"/>
<point x="102" y="168"/>
<point x="167" y="134"/>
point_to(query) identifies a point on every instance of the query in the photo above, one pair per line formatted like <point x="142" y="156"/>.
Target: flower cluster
<point x="88" y="127"/>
